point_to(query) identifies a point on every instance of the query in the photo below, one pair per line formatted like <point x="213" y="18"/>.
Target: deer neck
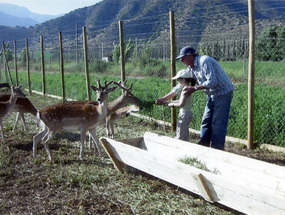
<point x="115" y="105"/>
<point x="12" y="101"/>
<point x="102" y="108"/>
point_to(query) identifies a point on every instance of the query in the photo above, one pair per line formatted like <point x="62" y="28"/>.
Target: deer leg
<point x="108" y="128"/>
<point x="90" y="142"/>
<point x="112" y="130"/>
<point x="48" y="151"/>
<point x="82" y="140"/>
<point x="1" y="127"/>
<point x="95" y="139"/>
<point x="37" y="138"/>
<point x="19" y="115"/>
<point x="49" y="135"/>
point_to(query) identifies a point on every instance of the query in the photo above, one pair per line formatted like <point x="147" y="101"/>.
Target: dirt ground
<point x="71" y="186"/>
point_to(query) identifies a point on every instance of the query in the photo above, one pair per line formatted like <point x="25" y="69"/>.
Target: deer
<point x="22" y="106"/>
<point x="72" y="116"/>
<point x="121" y="112"/>
<point x="7" y="106"/>
<point x="127" y="97"/>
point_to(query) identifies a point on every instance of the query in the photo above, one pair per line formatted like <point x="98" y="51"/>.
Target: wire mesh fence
<point x="148" y="67"/>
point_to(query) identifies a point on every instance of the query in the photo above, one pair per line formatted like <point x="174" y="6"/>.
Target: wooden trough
<point x="244" y="184"/>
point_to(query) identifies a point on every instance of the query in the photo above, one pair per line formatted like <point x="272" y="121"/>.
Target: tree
<point x="8" y="52"/>
<point x="128" y="51"/>
<point x="116" y="54"/>
<point x="270" y="46"/>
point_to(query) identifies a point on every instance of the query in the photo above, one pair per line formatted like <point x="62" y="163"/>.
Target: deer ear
<point x="112" y="89"/>
<point x="94" y="88"/>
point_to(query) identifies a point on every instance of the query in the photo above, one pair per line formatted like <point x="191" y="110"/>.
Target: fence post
<point x="7" y="70"/>
<point x="15" y="63"/>
<point x="122" y="53"/>
<point x="86" y="62"/>
<point x="61" y="67"/>
<point x="43" y="66"/>
<point x="173" y="66"/>
<point x="251" y="64"/>
<point x="28" y="65"/>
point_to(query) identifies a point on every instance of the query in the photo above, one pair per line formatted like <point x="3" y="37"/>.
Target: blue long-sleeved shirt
<point x="210" y="74"/>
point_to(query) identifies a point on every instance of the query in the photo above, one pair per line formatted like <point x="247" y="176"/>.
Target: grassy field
<point x="268" y="98"/>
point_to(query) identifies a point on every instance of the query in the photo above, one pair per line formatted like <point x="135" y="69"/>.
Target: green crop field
<point x="268" y="98"/>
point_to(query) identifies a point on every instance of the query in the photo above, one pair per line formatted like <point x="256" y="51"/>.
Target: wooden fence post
<point x="15" y="63"/>
<point x="43" y="66"/>
<point x="251" y="65"/>
<point x="86" y="62"/>
<point x="122" y="52"/>
<point x="173" y="66"/>
<point x="61" y="67"/>
<point x="28" y="65"/>
<point x="7" y="70"/>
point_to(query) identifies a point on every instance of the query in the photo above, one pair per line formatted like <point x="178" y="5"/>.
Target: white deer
<point x="121" y="112"/>
<point x="72" y="116"/>
<point x="7" y="106"/>
<point x="22" y="106"/>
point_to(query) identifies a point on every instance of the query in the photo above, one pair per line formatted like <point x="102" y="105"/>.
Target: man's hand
<point x="189" y="90"/>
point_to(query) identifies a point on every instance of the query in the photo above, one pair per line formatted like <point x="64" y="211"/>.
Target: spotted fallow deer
<point x="127" y="97"/>
<point x="21" y="107"/>
<point x="71" y="116"/>
<point x="6" y="107"/>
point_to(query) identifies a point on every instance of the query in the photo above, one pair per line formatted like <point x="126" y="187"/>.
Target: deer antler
<point x="123" y="85"/>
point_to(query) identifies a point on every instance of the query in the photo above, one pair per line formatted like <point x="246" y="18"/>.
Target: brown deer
<point x="127" y="97"/>
<point x="72" y="116"/>
<point x="22" y="106"/>
<point x="7" y="106"/>
<point x="121" y="112"/>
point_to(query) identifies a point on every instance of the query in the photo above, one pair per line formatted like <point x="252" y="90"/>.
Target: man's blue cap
<point x="187" y="50"/>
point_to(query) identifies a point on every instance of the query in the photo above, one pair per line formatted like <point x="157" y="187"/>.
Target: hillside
<point x="196" y="20"/>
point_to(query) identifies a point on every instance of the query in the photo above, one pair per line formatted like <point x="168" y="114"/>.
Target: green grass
<point x="269" y="94"/>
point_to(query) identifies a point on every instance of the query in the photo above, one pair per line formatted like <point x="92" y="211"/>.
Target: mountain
<point x="12" y="15"/>
<point x="9" y="20"/>
<point x="195" y="21"/>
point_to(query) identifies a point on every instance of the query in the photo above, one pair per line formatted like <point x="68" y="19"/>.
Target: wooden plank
<point x="202" y="186"/>
<point x="233" y="193"/>
<point x="113" y="155"/>
<point x="271" y="177"/>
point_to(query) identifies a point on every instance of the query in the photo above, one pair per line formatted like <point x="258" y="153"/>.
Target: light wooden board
<point x="254" y="172"/>
<point x="225" y="189"/>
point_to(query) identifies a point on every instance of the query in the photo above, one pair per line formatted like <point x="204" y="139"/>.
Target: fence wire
<point x="148" y="62"/>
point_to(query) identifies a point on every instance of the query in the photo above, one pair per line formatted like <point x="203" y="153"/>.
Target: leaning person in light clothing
<point x="213" y="80"/>
<point x="185" y="116"/>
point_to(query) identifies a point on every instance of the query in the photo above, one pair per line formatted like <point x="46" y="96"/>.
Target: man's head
<point x="187" y="56"/>
<point x="187" y="50"/>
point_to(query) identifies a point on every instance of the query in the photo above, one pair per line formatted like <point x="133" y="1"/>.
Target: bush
<point x="98" y="66"/>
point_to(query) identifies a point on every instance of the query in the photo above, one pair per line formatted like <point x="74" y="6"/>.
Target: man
<point x="212" y="79"/>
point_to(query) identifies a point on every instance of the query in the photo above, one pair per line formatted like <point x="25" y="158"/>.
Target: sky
<point x="51" y="7"/>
